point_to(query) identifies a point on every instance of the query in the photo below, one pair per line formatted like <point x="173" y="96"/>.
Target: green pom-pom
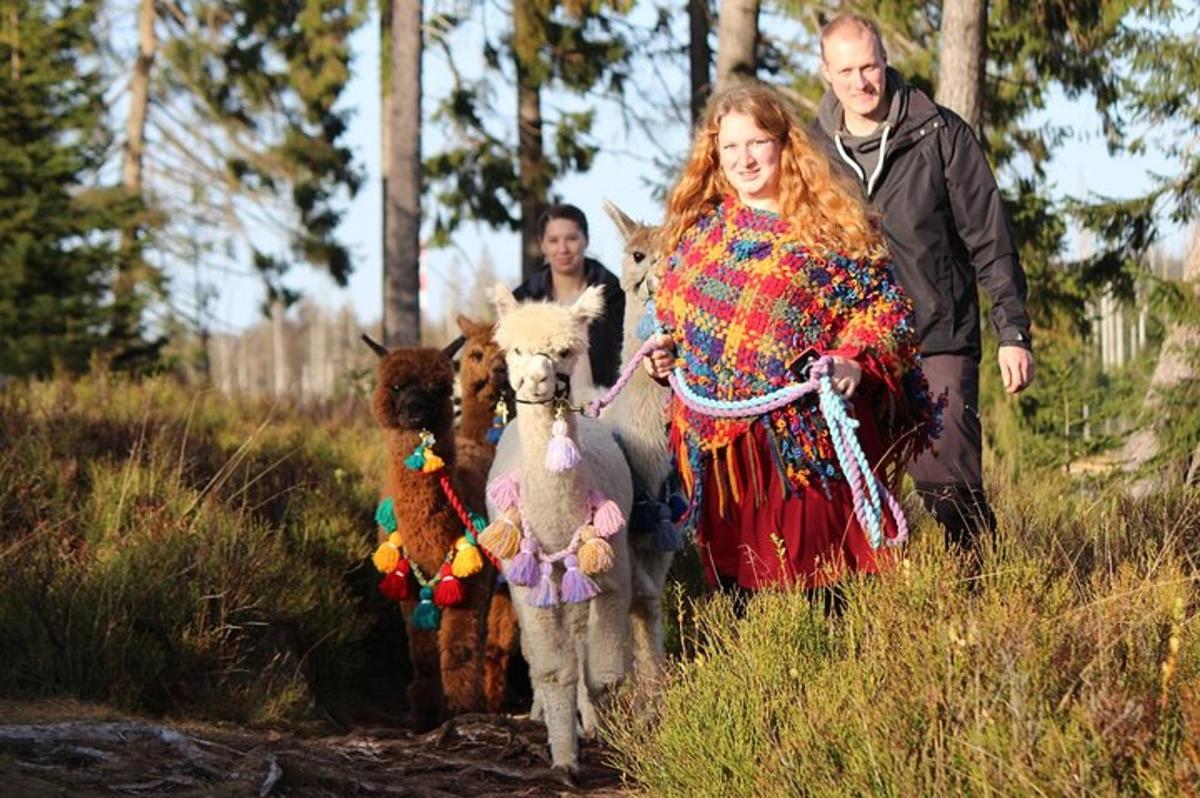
<point x="426" y="615"/>
<point x="479" y="523"/>
<point x="416" y="460"/>
<point x="385" y="515"/>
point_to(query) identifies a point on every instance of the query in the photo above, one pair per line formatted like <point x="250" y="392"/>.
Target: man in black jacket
<point x="923" y="169"/>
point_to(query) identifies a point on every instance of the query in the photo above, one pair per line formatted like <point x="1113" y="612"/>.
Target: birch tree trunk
<point x="962" y="58"/>
<point x="401" y="282"/>
<point x="737" y="41"/>
<point x="279" y="364"/>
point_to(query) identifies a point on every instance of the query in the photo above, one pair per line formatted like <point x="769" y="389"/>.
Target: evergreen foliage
<point x="59" y="218"/>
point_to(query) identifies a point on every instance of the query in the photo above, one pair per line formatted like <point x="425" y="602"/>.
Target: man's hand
<point x="661" y="360"/>
<point x="1016" y="368"/>
<point x="846" y="376"/>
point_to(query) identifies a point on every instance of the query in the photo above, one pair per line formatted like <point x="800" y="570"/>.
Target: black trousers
<point x="949" y="475"/>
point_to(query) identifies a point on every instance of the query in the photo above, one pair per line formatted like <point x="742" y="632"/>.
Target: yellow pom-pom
<point x="586" y="533"/>
<point x="466" y="560"/>
<point x="502" y="538"/>
<point x="432" y="463"/>
<point x="595" y="556"/>
<point x="386" y="557"/>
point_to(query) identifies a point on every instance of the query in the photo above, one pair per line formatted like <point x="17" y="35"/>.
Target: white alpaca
<point x="638" y="418"/>
<point x="575" y="650"/>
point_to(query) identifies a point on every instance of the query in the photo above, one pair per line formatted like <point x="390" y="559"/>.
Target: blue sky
<point x="1082" y="165"/>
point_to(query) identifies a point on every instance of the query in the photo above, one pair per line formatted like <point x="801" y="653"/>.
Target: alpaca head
<point x="543" y="341"/>
<point x="414" y="389"/>
<point x="482" y="371"/>
<point x="641" y="265"/>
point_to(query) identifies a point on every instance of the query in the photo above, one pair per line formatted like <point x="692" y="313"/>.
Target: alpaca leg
<point x="425" y="693"/>
<point x="646" y="617"/>
<point x="501" y="643"/>
<point x="587" y="710"/>
<point x="608" y="633"/>
<point x="461" y="644"/>
<point x="554" y="673"/>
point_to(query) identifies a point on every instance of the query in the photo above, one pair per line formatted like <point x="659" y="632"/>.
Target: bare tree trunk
<point x="385" y="120"/>
<point x="531" y="155"/>
<point x="737" y="41"/>
<point x="279" y="362"/>
<point x="125" y="281"/>
<point x="699" y="55"/>
<point x="1176" y="363"/>
<point x="962" y="58"/>
<point x="402" y="253"/>
<point x="14" y="28"/>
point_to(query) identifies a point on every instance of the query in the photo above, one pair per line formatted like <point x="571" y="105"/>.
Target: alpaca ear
<point x="503" y="299"/>
<point x="590" y="304"/>
<point x="625" y="225"/>
<point x="465" y="324"/>
<point x="452" y="348"/>
<point x="377" y="348"/>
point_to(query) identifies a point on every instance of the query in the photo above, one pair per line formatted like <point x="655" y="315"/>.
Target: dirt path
<point x="53" y="753"/>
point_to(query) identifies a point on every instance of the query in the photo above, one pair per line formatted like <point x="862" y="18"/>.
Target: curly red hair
<point x="824" y="207"/>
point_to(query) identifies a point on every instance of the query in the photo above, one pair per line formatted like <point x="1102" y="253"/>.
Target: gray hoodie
<point x="865" y="154"/>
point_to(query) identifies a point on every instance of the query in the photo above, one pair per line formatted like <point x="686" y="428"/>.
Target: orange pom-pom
<point x="595" y="556"/>
<point x="502" y="537"/>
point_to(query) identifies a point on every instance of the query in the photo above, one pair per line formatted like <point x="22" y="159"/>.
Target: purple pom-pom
<point x="561" y="454"/>
<point x="523" y="569"/>
<point x="576" y="585"/>
<point x="545" y="594"/>
<point x="505" y="491"/>
<point x="608" y="518"/>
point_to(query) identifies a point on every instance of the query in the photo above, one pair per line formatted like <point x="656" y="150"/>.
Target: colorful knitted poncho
<point x="745" y="301"/>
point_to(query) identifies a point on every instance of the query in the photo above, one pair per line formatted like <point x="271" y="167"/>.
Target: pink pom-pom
<point x="576" y="585"/>
<point x="505" y="491"/>
<point x="608" y="518"/>
<point x="523" y="569"/>
<point x="561" y="454"/>
<point x="545" y="594"/>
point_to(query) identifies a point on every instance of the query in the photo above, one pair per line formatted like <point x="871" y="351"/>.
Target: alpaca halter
<point x="868" y="491"/>
<point x="510" y="538"/>
<point x="391" y="558"/>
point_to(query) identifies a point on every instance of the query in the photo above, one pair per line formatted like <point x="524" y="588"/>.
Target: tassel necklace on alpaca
<point x="442" y="589"/>
<point x="510" y="539"/>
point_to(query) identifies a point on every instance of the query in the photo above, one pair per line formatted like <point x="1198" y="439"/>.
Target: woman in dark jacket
<point x="566" y="272"/>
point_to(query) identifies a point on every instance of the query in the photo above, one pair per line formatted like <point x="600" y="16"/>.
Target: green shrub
<point x="1045" y="677"/>
<point x="178" y="552"/>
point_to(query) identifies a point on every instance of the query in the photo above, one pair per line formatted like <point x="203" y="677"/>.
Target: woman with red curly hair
<point x="775" y="261"/>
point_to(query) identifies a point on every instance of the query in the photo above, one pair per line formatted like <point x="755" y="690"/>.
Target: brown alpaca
<point x="414" y="394"/>
<point x="483" y="381"/>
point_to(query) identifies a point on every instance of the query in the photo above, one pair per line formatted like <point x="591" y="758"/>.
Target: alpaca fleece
<point x="414" y="392"/>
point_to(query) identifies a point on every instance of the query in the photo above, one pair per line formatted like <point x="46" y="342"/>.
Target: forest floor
<point x="56" y="748"/>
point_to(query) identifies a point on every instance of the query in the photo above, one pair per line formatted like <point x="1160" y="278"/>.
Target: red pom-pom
<point x="448" y="593"/>
<point x="397" y="585"/>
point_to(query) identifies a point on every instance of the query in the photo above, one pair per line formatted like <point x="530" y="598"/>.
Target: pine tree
<point x="59" y="224"/>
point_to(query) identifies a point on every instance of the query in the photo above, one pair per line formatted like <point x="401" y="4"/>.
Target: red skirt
<point x="750" y="532"/>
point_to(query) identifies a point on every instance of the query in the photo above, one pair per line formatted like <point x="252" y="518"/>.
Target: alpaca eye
<point x="397" y="388"/>
<point x="638" y="257"/>
<point x="516" y="351"/>
<point x="476" y="356"/>
<point x="564" y="353"/>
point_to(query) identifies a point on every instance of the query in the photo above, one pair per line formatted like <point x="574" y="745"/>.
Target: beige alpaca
<point x="638" y="418"/>
<point x="571" y="647"/>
